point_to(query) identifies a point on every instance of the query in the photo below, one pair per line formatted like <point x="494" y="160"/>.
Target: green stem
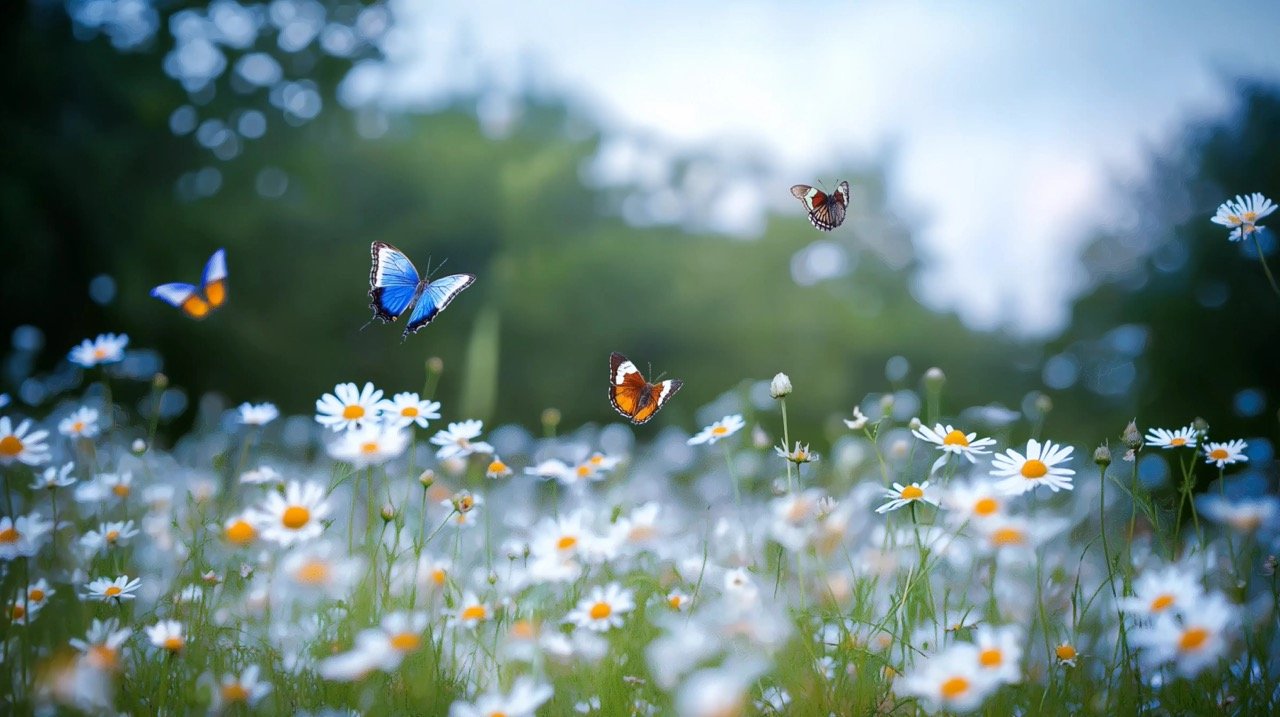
<point x="786" y="443"/>
<point x="1263" y="260"/>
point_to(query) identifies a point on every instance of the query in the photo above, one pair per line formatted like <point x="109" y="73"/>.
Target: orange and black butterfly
<point x="826" y="211"/>
<point x="197" y="302"/>
<point x="634" y="397"/>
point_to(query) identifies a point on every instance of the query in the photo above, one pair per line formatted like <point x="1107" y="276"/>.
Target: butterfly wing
<point x="393" y="282"/>
<point x="659" y="394"/>
<point x="183" y="296"/>
<point x="435" y="297"/>
<point x="626" y="385"/>
<point x="826" y="211"/>
<point x="215" y="279"/>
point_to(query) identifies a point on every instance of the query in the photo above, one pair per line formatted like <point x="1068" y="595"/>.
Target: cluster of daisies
<point x="584" y="574"/>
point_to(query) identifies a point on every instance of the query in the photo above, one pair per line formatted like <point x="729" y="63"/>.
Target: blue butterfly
<point x="396" y="289"/>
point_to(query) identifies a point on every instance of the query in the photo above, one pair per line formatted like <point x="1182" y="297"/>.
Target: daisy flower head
<point x="952" y="441"/>
<point x="1156" y="592"/>
<point x="243" y="689"/>
<point x="262" y="475"/>
<point x="1040" y="466"/>
<point x="397" y="636"/>
<point x="55" y="477"/>
<point x="471" y="611"/>
<point x="1192" y="642"/>
<point x="859" y="421"/>
<point x="239" y="530"/>
<point x="23" y="537"/>
<point x="1244" y="515"/>
<point x="1177" y="438"/>
<point x="1000" y="651"/>
<point x="1224" y="454"/>
<point x="82" y="423"/>
<point x="458" y="440"/>
<point x="257" y="415"/>
<point x="370" y="445"/>
<point x="22" y="445"/>
<point x="677" y="600"/>
<point x="318" y="571"/>
<point x="348" y="407"/>
<point x="102" y="647"/>
<point x="497" y="468"/>
<point x="722" y="428"/>
<point x="950" y="681"/>
<point x="1242" y="214"/>
<point x="1066" y="654"/>
<point x="168" y="635"/>
<point x="106" y="348"/>
<point x="901" y="495"/>
<point x="39" y="592"/>
<point x="973" y="501"/>
<point x="602" y="609"/>
<point x="524" y="699"/>
<point x="405" y="409"/>
<point x="295" y="516"/>
<point x="119" y="589"/>
<point x="22" y="612"/>
<point x="798" y="455"/>
<point x="107" y="536"/>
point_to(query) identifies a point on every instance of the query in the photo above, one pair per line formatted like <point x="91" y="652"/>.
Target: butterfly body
<point x="826" y="211"/>
<point x="198" y="302"/>
<point x="634" y="397"/>
<point x="396" y="290"/>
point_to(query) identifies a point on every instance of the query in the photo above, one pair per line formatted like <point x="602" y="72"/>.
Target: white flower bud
<point x="780" y="387"/>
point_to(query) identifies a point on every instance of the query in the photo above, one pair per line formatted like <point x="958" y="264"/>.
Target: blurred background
<point x="1032" y="187"/>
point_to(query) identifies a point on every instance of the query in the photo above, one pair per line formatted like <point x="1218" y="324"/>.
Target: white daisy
<point x="318" y="571"/>
<point x="973" y="501"/>
<point x="82" y="423"/>
<point x="262" y="475"/>
<point x="1244" y="515"/>
<point x="524" y="699"/>
<point x="257" y="415"/>
<point x="106" y="348"/>
<point x="239" y="529"/>
<point x="54" y="477"/>
<point x="168" y="635"/>
<point x="370" y="445"/>
<point x="348" y="407"/>
<point x="602" y="609"/>
<point x="22" y="445"/>
<point x="121" y="588"/>
<point x="798" y="455"/>
<point x="22" y="538"/>
<point x="1177" y="438"/>
<point x="722" y="428"/>
<point x="457" y="441"/>
<point x="951" y="681"/>
<point x="1038" y="467"/>
<point x="952" y="441"/>
<point x="1173" y="589"/>
<point x="1224" y="454"/>
<point x="405" y="409"/>
<point x="107" y="536"/>
<point x="471" y="611"/>
<point x="901" y="495"/>
<point x="243" y="689"/>
<point x="859" y="421"/>
<point x="1193" y="641"/>
<point x="397" y="636"/>
<point x="103" y="645"/>
<point x="1000" y="652"/>
<point x="497" y="468"/>
<point x="1242" y="214"/>
<point x="295" y="516"/>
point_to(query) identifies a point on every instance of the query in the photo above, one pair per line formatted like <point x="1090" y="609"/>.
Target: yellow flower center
<point x="1034" y="469"/>
<point x="121" y="490"/>
<point x="600" y="611"/>
<point x="719" y="431"/>
<point x="173" y="644"/>
<point x="475" y="612"/>
<point x="9" y="535"/>
<point x="406" y="642"/>
<point x="99" y="353"/>
<point x="991" y="658"/>
<point x="955" y="438"/>
<point x="1008" y="536"/>
<point x="240" y="532"/>
<point x="640" y="533"/>
<point x="584" y="471"/>
<point x="112" y="591"/>
<point x="234" y="692"/>
<point x="523" y="630"/>
<point x="1193" y="639"/>
<point x="409" y="412"/>
<point x="497" y="467"/>
<point x="567" y="542"/>
<point x="10" y="446"/>
<point x="314" y="572"/>
<point x="466" y="503"/>
<point x="497" y="713"/>
<point x="19" y="612"/>
<point x="1179" y="441"/>
<point x="112" y="536"/>
<point x="438" y="576"/>
<point x="369" y="448"/>
<point x="912" y="492"/>
<point x="597" y="459"/>
<point x="77" y="427"/>
<point x="954" y="688"/>
<point x="295" y="516"/>
<point x="1065" y="652"/>
<point x="353" y="412"/>
<point x="35" y="595"/>
<point x="1219" y="454"/>
<point x="1250" y="216"/>
<point x="986" y="506"/>
<point x="103" y="657"/>
<point x="1161" y="602"/>
<point x="675" y="601"/>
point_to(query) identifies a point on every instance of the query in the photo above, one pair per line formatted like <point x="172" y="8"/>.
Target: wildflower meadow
<point x="386" y="555"/>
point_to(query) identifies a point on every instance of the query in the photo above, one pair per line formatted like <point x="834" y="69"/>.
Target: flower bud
<point x="934" y="379"/>
<point x="551" y="417"/>
<point x="886" y="404"/>
<point x="435" y="365"/>
<point x="427" y="478"/>
<point x="160" y="382"/>
<point x="914" y="424"/>
<point x="1201" y="425"/>
<point x="1132" y="437"/>
<point x="492" y="578"/>
<point x="1044" y="404"/>
<point x="388" y="512"/>
<point x="139" y="446"/>
<point x="780" y="386"/>
<point x="1102" y="456"/>
<point x="211" y="578"/>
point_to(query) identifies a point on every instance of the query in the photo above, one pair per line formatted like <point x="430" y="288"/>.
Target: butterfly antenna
<point x="441" y="265"/>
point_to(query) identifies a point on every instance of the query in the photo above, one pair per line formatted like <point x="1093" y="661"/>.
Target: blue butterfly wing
<point x="393" y="282"/>
<point x="435" y="297"/>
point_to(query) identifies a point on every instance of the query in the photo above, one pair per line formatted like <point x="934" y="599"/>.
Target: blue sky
<point x="1011" y="124"/>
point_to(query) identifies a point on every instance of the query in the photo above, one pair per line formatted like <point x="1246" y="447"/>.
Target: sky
<point x="1010" y="128"/>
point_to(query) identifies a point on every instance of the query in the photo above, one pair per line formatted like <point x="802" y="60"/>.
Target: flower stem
<point x="786" y="443"/>
<point x="1265" y="269"/>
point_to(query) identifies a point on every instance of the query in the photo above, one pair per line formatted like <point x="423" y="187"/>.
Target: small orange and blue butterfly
<point x="197" y="302"/>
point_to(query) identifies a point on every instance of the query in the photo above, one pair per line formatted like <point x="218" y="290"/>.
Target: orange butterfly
<point x="634" y="397"/>
<point x="189" y="298"/>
